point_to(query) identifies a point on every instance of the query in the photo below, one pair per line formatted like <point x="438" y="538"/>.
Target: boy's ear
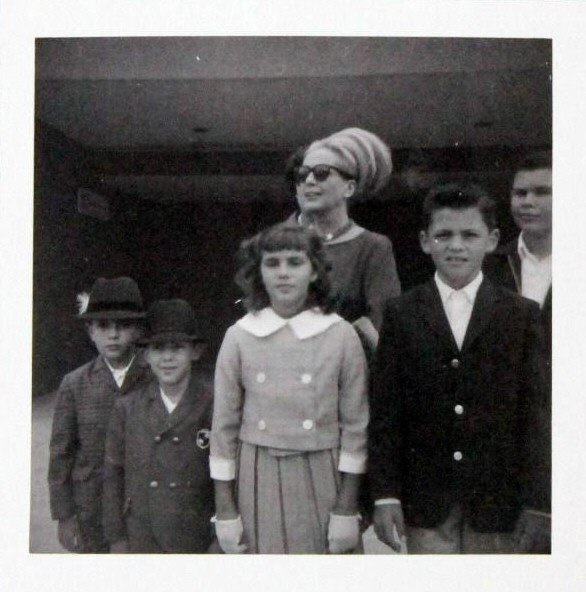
<point x="198" y="349"/>
<point x="493" y="240"/>
<point x="424" y="241"/>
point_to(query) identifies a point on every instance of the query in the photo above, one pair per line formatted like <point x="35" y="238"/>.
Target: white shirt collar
<point x="470" y="290"/>
<point x="119" y="374"/>
<point x="525" y="253"/>
<point x="306" y="324"/>
<point x="169" y="404"/>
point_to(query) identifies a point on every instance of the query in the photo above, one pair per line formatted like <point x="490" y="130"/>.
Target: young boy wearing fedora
<point x="158" y="495"/>
<point x="113" y="315"/>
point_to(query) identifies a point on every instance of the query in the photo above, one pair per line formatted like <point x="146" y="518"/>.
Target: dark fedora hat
<point x="171" y="320"/>
<point x="118" y="298"/>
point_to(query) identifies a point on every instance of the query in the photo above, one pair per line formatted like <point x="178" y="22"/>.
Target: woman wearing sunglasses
<point x="348" y="165"/>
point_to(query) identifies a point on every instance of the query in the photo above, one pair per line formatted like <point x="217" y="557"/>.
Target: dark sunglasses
<point x="320" y="172"/>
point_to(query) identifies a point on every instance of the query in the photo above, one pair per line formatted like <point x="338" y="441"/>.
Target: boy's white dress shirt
<point x="119" y="374"/>
<point x="458" y="305"/>
<point x="535" y="273"/>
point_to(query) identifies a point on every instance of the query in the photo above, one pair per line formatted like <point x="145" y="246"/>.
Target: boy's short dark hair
<point x="459" y="196"/>
<point x="540" y="159"/>
<point x="284" y="236"/>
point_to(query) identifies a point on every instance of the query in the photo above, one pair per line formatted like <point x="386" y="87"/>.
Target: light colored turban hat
<point x="362" y="154"/>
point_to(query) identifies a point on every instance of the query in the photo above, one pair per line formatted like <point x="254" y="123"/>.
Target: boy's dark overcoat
<point x="487" y="402"/>
<point x="157" y="490"/>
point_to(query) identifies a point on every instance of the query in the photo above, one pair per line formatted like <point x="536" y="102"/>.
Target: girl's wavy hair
<point x="281" y="237"/>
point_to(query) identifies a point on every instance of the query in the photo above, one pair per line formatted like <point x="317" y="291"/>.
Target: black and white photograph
<point x="287" y="292"/>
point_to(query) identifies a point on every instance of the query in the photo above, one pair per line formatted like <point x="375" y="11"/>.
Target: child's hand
<point x="229" y="533"/>
<point x="69" y="534"/>
<point x="389" y="525"/>
<point x="343" y="533"/>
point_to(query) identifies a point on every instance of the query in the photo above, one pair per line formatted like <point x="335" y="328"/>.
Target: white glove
<point x="229" y="533"/>
<point x="343" y="533"/>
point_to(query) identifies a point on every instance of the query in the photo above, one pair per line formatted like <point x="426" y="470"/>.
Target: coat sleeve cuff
<point x="351" y="462"/>
<point x="386" y="501"/>
<point x="223" y="469"/>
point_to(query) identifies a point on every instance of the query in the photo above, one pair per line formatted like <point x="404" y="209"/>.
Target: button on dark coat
<point x="503" y="434"/>
<point x="157" y="490"/>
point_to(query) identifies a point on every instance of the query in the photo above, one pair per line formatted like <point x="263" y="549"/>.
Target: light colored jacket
<point x="296" y="384"/>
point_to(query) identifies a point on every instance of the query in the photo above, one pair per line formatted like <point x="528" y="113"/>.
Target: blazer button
<point x="261" y="377"/>
<point x="157" y="438"/>
<point x="172" y="485"/>
<point x="175" y="439"/>
<point x="458" y="455"/>
<point x="307" y="424"/>
<point x="153" y="484"/>
<point x="262" y="425"/>
<point x="459" y="409"/>
<point x="455" y="363"/>
<point x="306" y="378"/>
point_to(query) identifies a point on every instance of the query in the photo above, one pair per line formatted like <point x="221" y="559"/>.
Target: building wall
<point x="172" y="249"/>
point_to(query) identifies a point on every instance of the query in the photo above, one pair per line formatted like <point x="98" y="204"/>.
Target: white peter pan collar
<point x="306" y="324"/>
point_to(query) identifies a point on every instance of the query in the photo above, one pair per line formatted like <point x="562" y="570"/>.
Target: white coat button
<point x="455" y="363"/>
<point x="262" y="425"/>
<point x="172" y="485"/>
<point x="307" y="424"/>
<point x="459" y="409"/>
<point x="157" y="438"/>
<point x="306" y="378"/>
<point x="458" y="455"/>
<point x="261" y="377"/>
<point x="153" y="484"/>
<point x="175" y="439"/>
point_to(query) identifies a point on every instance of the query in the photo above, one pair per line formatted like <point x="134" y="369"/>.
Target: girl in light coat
<point x="288" y="444"/>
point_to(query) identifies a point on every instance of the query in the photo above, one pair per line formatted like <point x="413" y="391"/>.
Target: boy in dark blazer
<point x="113" y="315"/>
<point x="459" y="433"/>
<point x="158" y="495"/>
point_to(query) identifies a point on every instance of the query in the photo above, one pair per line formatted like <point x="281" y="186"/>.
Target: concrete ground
<point x="43" y="531"/>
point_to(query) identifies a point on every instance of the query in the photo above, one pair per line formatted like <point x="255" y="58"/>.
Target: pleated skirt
<point x="285" y="498"/>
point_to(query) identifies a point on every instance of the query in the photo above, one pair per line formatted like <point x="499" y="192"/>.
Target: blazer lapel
<point x="434" y="314"/>
<point x="482" y="312"/>
<point x="135" y="374"/>
<point x="157" y="412"/>
<point x="190" y="401"/>
<point x="103" y="375"/>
